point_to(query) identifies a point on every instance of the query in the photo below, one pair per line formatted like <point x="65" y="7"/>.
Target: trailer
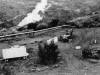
<point x="15" y="51"/>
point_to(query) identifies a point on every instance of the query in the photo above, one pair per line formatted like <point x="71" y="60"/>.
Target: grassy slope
<point x="12" y="8"/>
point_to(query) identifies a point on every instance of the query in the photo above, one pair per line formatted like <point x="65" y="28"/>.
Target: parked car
<point x="64" y="38"/>
<point x="67" y="37"/>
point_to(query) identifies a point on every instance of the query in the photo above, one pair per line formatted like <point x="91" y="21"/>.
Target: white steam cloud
<point x="34" y="16"/>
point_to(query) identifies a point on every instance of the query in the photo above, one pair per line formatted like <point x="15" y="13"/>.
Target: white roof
<point x="15" y="51"/>
<point x="55" y="39"/>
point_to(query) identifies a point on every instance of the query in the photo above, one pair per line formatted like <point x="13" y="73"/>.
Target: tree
<point x="48" y="54"/>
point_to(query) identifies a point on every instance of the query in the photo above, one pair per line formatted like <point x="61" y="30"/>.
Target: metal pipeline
<point x="23" y="33"/>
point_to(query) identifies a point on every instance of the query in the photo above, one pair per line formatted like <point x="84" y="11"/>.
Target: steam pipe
<point x="10" y="35"/>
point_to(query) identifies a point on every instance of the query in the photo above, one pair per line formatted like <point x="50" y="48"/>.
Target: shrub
<point x="53" y="23"/>
<point x="32" y="26"/>
<point x="41" y="26"/>
<point x="86" y="53"/>
<point x="48" y="54"/>
<point x="7" y="70"/>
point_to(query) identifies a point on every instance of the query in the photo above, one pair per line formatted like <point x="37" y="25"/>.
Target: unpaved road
<point x="72" y="65"/>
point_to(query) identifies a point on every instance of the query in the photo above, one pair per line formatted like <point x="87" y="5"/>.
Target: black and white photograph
<point x="49" y="37"/>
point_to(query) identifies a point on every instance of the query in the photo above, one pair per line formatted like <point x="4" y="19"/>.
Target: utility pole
<point x="95" y="41"/>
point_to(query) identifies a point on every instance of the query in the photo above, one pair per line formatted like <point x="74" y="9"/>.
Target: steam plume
<point x="34" y="16"/>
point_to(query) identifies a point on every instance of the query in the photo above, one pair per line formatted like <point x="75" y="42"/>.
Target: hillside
<point x="10" y="9"/>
